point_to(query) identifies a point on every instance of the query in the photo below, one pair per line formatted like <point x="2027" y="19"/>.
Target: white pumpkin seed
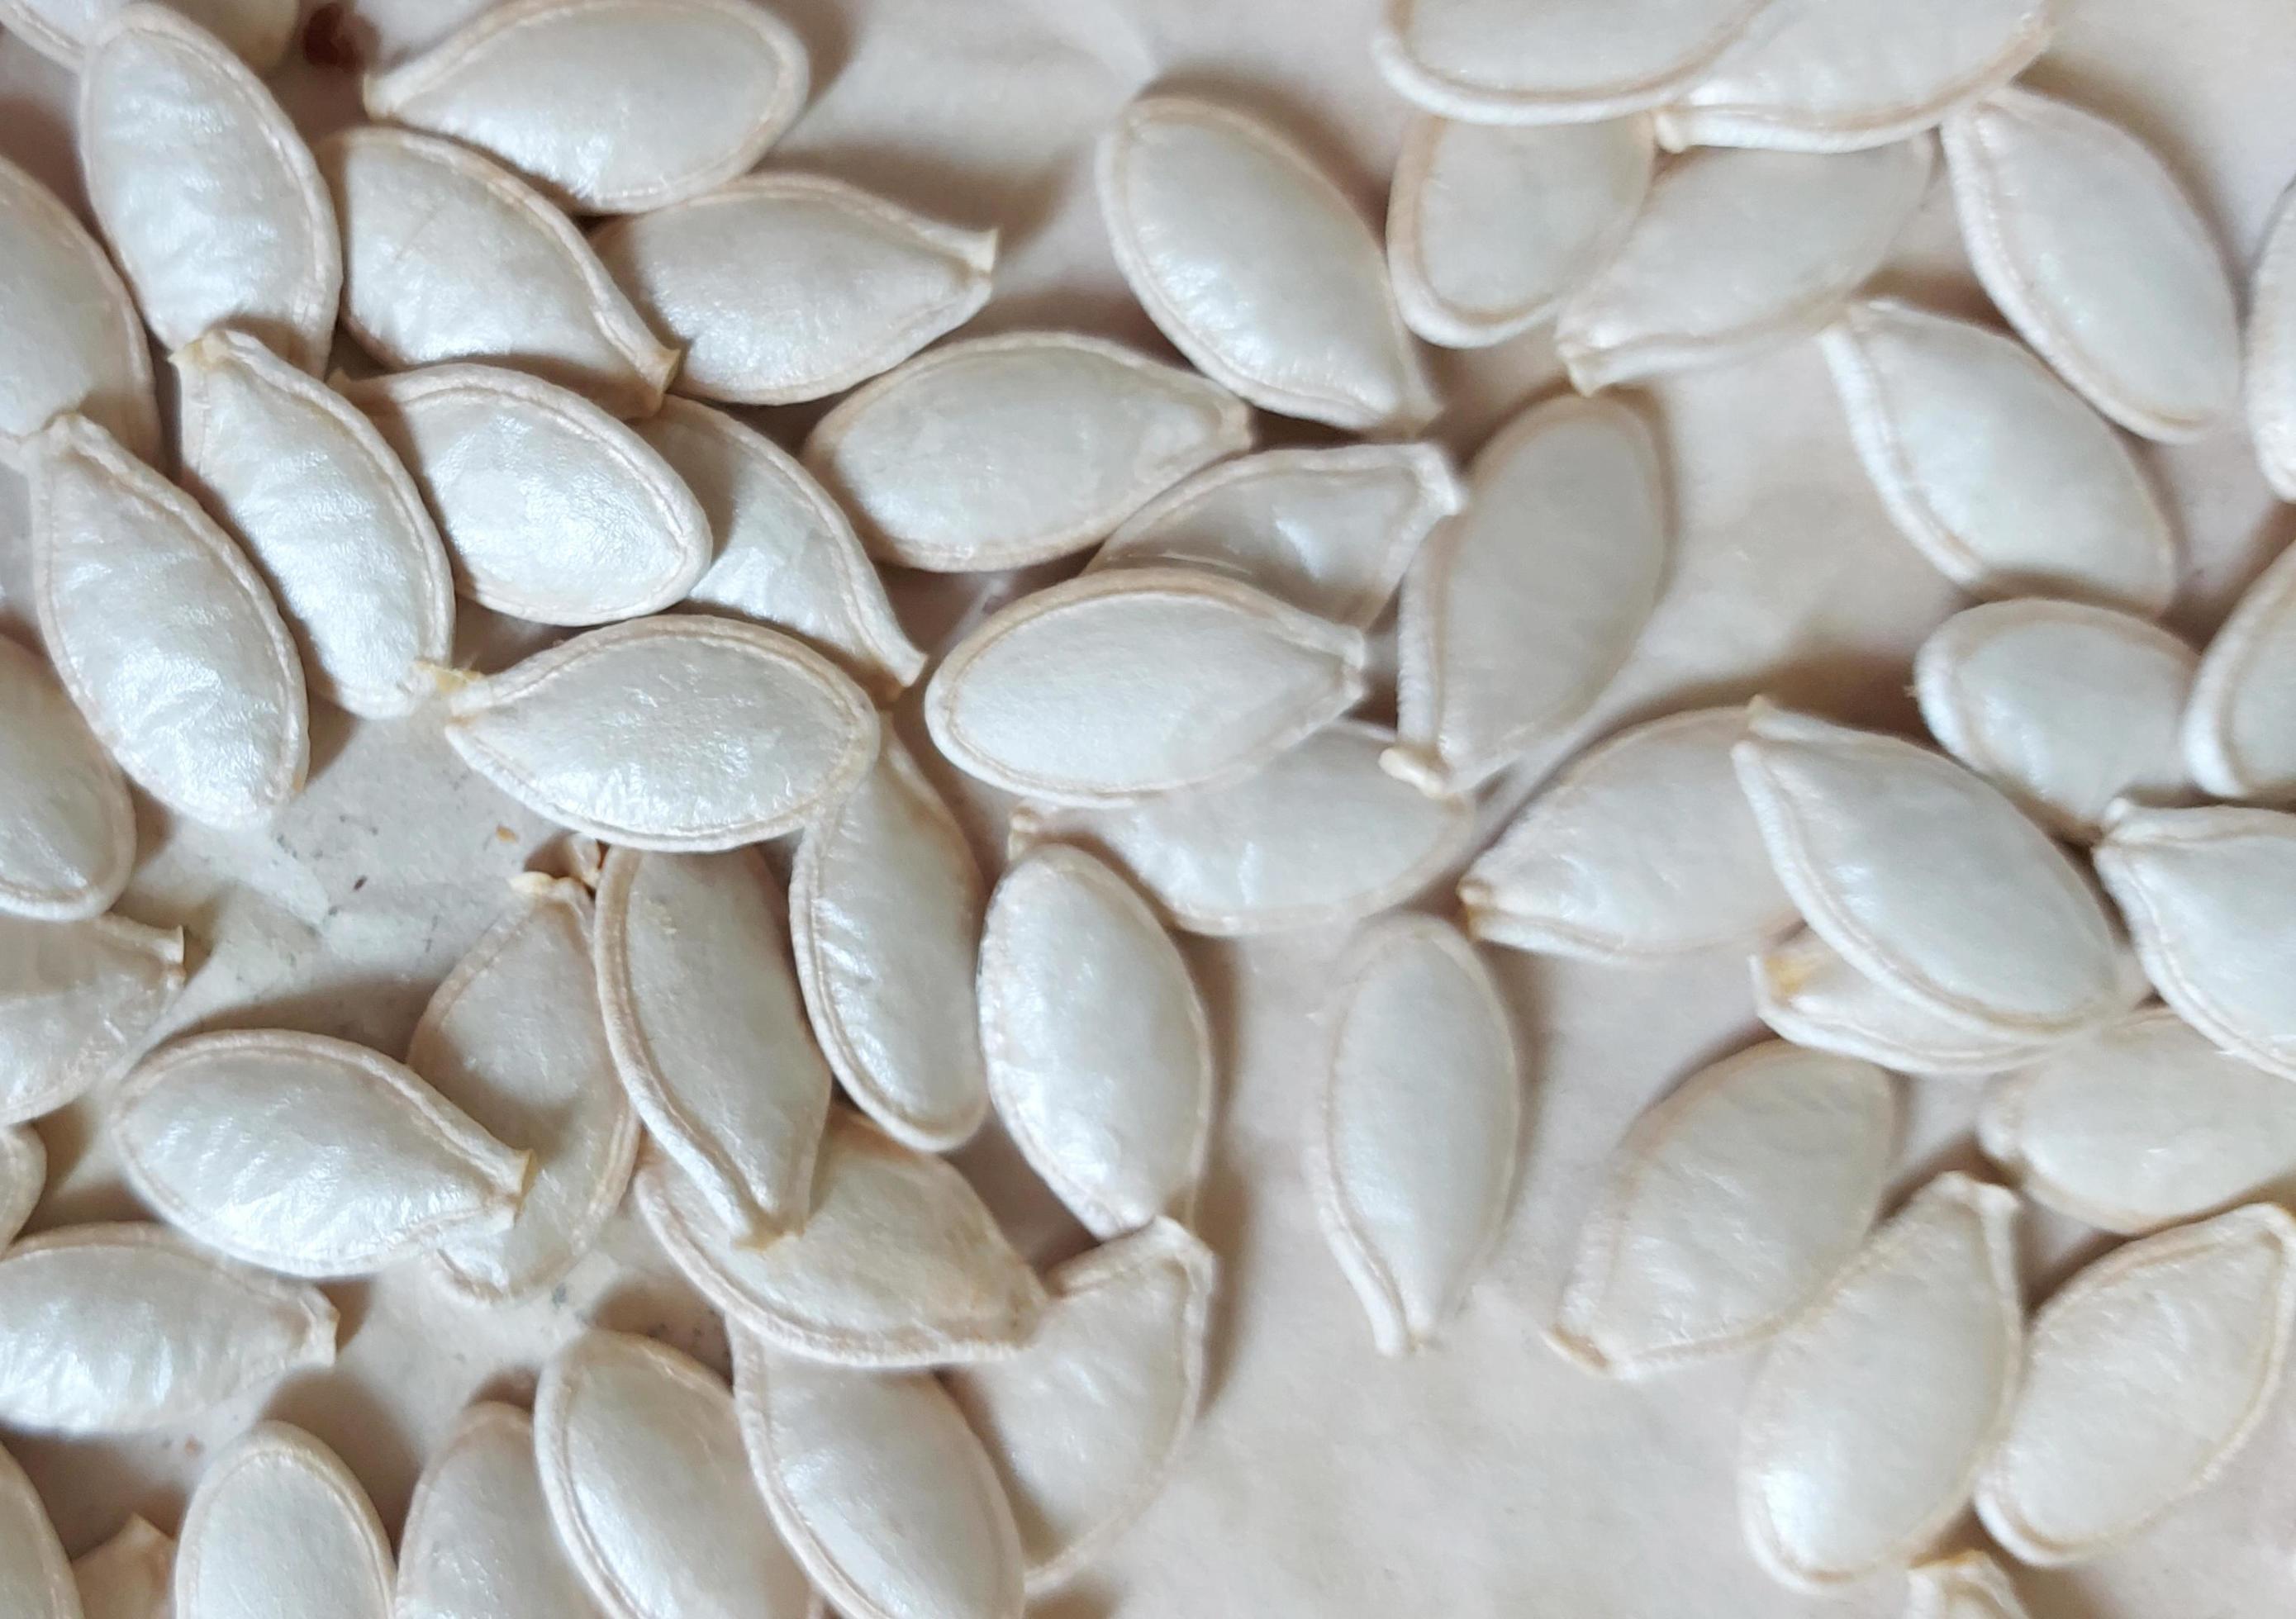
<point x="1865" y="1428"/>
<point x="642" y="1466"/>
<point x="1994" y="470"/>
<point x="1257" y="267"/>
<point x="2140" y="1126"/>
<point x="1328" y="531"/>
<point x="123" y="1329"/>
<point x="306" y="1154"/>
<point x="1138" y="679"/>
<point x="449" y="257"/>
<point x="1412" y="1150"/>
<point x="478" y="1538"/>
<point x="1490" y="226"/>
<point x="2238" y="725"/>
<point x="279" y="1525"/>
<point x="77" y="1002"/>
<point x="1545" y="65"/>
<point x="1001" y="451"/>
<point x="2100" y="260"/>
<point x="784" y="287"/>
<point x="23" y="1178"/>
<point x="514" y="1037"/>
<point x="880" y="1489"/>
<point x="1728" y="1208"/>
<point x="2064" y="706"/>
<point x="2202" y="889"/>
<point x="786" y="555"/>
<point x="898" y="1263"/>
<point x="163" y="634"/>
<point x="1320" y="835"/>
<point x="1099" y="1055"/>
<point x="1822" y="76"/>
<point x="1805" y="992"/>
<point x="550" y="510"/>
<point x="695" y="91"/>
<point x="1891" y="851"/>
<point x="710" y="1035"/>
<point x="885" y="903"/>
<point x="1084" y="1424"/>
<point x="1518" y="611"/>
<point x="67" y="825"/>
<point x="326" y="512"/>
<point x="683" y="733"/>
<point x="70" y="338"/>
<point x="130" y="1576"/>
<point x="2147" y="1373"/>
<point x="35" y="1582"/>
<point x="2270" y="365"/>
<point x="206" y="193"/>
<point x="1643" y="846"/>
<point x="1737" y="251"/>
<point x="1971" y="1586"/>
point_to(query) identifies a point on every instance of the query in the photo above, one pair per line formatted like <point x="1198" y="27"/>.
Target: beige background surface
<point x="1485" y="1476"/>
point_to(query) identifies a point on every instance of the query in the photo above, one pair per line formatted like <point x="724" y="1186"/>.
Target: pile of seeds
<point x="919" y="1424"/>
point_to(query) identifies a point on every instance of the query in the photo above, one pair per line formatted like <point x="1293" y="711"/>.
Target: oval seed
<point x="449" y="257"/>
<point x="23" y="1178"/>
<point x="786" y="555"/>
<point x="642" y="1465"/>
<point x="1737" y="251"/>
<point x="1000" y="451"/>
<point x="1642" y="847"/>
<point x="2140" y="1126"/>
<point x="784" y="287"/>
<point x="163" y="634"/>
<point x="1098" y="1053"/>
<point x="1411" y="1154"/>
<point x="2270" y="355"/>
<point x="1490" y="226"/>
<point x="70" y="338"/>
<point x="2198" y="888"/>
<point x="1817" y="76"/>
<point x="885" y="903"/>
<point x="1994" y="470"/>
<point x="1970" y="1586"/>
<point x="206" y="193"/>
<point x="278" y="1524"/>
<point x="2100" y="260"/>
<point x="2237" y="727"/>
<point x="1865" y="1428"/>
<point x="67" y="825"/>
<point x="478" y="1538"/>
<point x="124" y="1329"/>
<point x="130" y="1576"/>
<point x="77" y="1002"/>
<point x="1889" y="849"/>
<point x="306" y="1155"/>
<point x="326" y="512"/>
<point x="709" y="1034"/>
<point x="698" y="90"/>
<point x="35" y="1582"/>
<point x="1138" y="681"/>
<point x="2148" y="1372"/>
<point x="552" y="511"/>
<point x="1805" y="992"/>
<point x="766" y="733"/>
<point x="1328" y="531"/>
<point x="1320" y="835"/>
<point x="1728" y="1208"/>
<point x="885" y="1495"/>
<point x="898" y="1263"/>
<point x="1518" y="612"/>
<point x="515" y="1038"/>
<point x="1258" y="266"/>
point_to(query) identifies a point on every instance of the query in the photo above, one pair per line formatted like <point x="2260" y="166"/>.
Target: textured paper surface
<point x="1485" y="1476"/>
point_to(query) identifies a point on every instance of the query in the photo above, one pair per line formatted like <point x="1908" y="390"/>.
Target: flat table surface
<point x="1483" y="1477"/>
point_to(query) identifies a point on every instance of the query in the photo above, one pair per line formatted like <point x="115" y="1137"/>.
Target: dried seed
<point x="77" y="1002"/>
<point x="2237" y="726"/>
<point x="279" y="1525"/>
<point x="2270" y="365"/>
<point x="1805" y="992"/>
<point x="67" y="825"/>
<point x="23" y="1178"/>
<point x="479" y="1539"/>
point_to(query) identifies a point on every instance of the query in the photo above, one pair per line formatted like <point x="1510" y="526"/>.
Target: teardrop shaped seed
<point x="699" y="89"/>
<point x="163" y="634"/>
<point x="784" y="288"/>
<point x="279" y="1525"/>
<point x="2269" y="357"/>
<point x="1806" y="992"/>
<point x="23" y="1178"/>
<point x="78" y="999"/>
<point x="477" y="1537"/>
<point x="66" y="826"/>
<point x="2236" y="728"/>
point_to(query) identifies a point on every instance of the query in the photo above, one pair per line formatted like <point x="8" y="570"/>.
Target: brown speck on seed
<point x="336" y="36"/>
